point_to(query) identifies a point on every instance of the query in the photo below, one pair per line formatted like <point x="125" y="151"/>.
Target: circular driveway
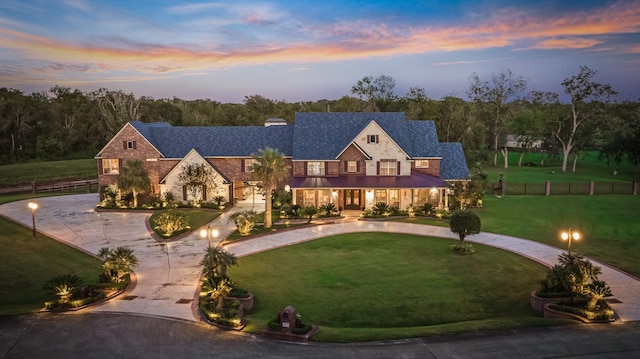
<point x="168" y="274"/>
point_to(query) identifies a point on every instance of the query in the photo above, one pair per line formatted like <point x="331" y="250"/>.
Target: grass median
<point x="370" y="286"/>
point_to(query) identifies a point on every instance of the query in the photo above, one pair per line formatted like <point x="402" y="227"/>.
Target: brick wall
<point x="433" y="170"/>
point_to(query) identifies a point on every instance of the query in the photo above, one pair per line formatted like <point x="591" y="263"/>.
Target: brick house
<point x="353" y="160"/>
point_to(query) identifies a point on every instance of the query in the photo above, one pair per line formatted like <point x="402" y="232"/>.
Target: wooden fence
<point x="89" y="185"/>
<point x="548" y="188"/>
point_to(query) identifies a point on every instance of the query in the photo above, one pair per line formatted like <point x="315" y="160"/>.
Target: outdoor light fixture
<point x="33" y="207"/>
<point x="570" y="236"/>
<point x="287" y="188"/>
<point x="208" y="233"/>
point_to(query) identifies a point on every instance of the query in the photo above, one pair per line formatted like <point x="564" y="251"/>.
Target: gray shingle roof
<point x="453" y="165"/>
<point x="210" y="141"/>
<point x="313" y="136"/>
<point x="322" y="136"/>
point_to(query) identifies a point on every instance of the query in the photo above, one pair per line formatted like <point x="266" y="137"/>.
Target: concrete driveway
<point x="157" y="318"/>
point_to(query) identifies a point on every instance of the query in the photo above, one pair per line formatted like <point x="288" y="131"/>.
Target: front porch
<point x="361" y="192"/>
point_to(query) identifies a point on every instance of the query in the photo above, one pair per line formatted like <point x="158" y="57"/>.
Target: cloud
<point x="246" y="35"/>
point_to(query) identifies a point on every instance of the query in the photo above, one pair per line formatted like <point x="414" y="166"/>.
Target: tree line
<point x="65" y="123"/>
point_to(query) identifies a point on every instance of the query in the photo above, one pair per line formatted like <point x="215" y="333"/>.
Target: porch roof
<point x="415" y="180"/>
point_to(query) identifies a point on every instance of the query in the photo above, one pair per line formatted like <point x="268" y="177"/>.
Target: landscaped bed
<point x="370" y="286"/>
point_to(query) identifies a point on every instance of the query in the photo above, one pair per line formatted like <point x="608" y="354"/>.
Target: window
<point x="248" y="165"/>
<point x="309" y="198"/>
<point x="110" y="166"/>
<point x="388" y="167"/>
<point x="129" y="145"/>
<point x="352" y="166"/>
<point x="422" y="163"/>
<point x="381" y="195"/>
<point x="372" y="138"/>
<point x="315" y="168"/>
<point x="394" y="197"/>
<point x="324" y="196"/>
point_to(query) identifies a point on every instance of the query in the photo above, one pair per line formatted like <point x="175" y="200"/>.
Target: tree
<point x="464" y="223"/>
<point x="117" y="263"/>
<point x="134" y="178"/>
<point x="504" y="88"/>
<point x="116" y="108"/>
<point x="215" y="262"/>
<point x="309" y="211"/>
<point x="376" y="92"/>
<point x="586" y="108"/>
<point x="216" y="282"/>
<point x="269" y="168"/>
<point x="198" y="178"/>
<point x="625" y="138"/>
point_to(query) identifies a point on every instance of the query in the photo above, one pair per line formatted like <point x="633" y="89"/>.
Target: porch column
<point x="446" y="199"/>
<point x="440" y="197"/>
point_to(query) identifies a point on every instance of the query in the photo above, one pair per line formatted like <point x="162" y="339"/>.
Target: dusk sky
<point x="312" y="50"/>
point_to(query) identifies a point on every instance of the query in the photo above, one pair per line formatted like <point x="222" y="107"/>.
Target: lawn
<point x="588" y="168"/>
<point x="27" y="265"/>
<point x="608" y="224"/>
<point x="369" y="286"/>
<point x="47" y="171"/>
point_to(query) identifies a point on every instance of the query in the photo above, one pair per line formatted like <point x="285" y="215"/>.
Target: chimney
<point x="275" y="122"/>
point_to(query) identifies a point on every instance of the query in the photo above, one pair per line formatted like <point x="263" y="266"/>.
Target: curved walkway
<point x="168" y="272"/>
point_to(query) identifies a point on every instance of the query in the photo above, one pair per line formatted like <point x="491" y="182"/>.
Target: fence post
<point x="503" y="188"/>
<point x="547" y="188"/>
<point x="635" y="188"/>
<point x="592" y="186"/>
<point x="33" y="187"/>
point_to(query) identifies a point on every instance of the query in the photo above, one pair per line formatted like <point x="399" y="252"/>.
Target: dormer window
<point x="373" y="139"/>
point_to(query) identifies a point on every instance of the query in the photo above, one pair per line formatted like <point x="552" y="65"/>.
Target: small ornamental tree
<point x="198" y="178"/>
<point x="464" y="223"/>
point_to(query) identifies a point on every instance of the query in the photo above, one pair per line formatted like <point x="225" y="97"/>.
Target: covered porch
<point x="361" y="192"/>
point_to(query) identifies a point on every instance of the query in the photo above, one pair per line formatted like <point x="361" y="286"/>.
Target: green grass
<point x="197" y="218"/>
<point x="588" y="168"/>
<point x="27" y="265"/>
<point x="367" y="286"/>
<point x="608" y="224"/>
<point x="47" y="171"/>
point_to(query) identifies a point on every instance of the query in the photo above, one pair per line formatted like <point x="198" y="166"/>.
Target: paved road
<point x="111" y="335"/>
<point x="168" y="275"/>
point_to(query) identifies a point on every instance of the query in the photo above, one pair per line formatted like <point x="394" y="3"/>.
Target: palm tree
<point x="215" y="263"/>
<point x="63" y="286"/>
<point x="134" y="177"/>
<point x="269" y="167"/>
<point x="596" y="291"/>
<point x="119" y="261"/>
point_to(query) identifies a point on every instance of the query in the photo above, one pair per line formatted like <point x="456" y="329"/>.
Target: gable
<point x="193" y="157"/>
<point x="128" y="133"/>
<point x="377" y="143"/>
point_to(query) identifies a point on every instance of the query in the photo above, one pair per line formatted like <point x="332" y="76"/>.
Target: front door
<point x="351" y="199"/>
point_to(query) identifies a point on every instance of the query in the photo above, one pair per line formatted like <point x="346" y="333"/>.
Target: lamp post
<point x="208" y="233"/>
<point x="33" y="207"/>
<point x="570" y="236"/>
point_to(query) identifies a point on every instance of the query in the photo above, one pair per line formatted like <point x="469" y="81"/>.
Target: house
<point x="353" y="159"/>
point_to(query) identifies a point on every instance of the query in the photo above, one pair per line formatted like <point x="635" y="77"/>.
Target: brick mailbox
<point x="287" y="319"/>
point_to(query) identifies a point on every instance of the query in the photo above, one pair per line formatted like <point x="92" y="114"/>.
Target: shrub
<point x="63" y="286"/>
<point x="218" y="200"/>
<point x="396" y="211"/>
<point x="464" y="249"/>
<point x="328" y="209"/>
<point x="245" y="221"/>
<point x="170" y="221"/>
<point x="309" y="211"/>
<point x="381" y="209"/>
<point x="426" y="209"/>
<point x="108" y="195"/>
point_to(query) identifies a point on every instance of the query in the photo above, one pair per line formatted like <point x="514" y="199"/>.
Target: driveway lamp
<point x="208" y="233"/>
<point x="570" y="236"/>
<point x="33" y="207"/>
